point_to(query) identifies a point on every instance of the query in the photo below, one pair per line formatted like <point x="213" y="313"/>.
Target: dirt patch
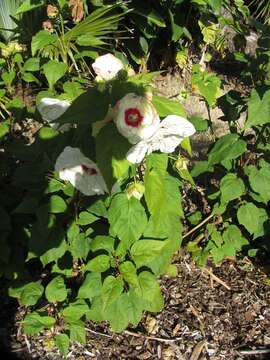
<point x="218" y="313"/>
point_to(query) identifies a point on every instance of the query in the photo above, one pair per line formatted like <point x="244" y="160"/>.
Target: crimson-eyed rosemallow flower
<point x="170" y="133"/>
<point x="107" y="66"/>
<point x="80" y="171"/>
<point x="51" y="109"/>
<point x="136" y="118"/>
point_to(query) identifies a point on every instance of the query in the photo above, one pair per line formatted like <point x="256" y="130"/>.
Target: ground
<point x="214" y="313"/>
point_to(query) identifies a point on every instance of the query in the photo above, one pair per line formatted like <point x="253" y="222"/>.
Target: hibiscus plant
<point x="103" y="205"/>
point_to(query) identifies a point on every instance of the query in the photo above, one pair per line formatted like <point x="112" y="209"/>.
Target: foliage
<point x="101" y="256"/>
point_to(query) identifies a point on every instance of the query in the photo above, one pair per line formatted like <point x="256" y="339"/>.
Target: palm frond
<point x="8" y="10"/>
<point x="262" y="11"/>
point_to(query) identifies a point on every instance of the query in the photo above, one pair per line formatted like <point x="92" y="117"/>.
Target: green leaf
<point x="152" y="17"/>
<point x="144" y="44"/>
<point x="100" y="263"/>
<point x="231" y="187"/>
<point x="144" y="251"/>
<point x="127" y="218"/>
<point x="129" y="273"/>
<point x="208" y="84"/>
<point x="259" y="181"/>
<point x="57" y="205"/>
<point x="249" y="216"/>
<point x="28" y="77"/>
<point x="54" y="70"/>
<point x="80" y="246"/>
<point x="54" y="186"/>
<point x="93" y="102"/>
<point x="258" y="108"/>
<point x="28" y="5"/>
<point x="149" y="291"/>
<point x="56" y="290"/>
<point x="86" y="218"/>
<point x="34" y="323"/>
<point x="233" y="240"/>
<point x="117" y="313"/>
<point x="31" y="64"/>
<point x="228" y="147"/>
<point x="31" y="293"/>
<point x="98" y="208"/>
<point x="91" y="287"/>
<point x="75" y="310"/>
<point x="112" y="288"/>
<point x="62" y="343"/>
<point x="111" y="155"/>
<point x="103" y="242"/>
<point x="4" y="129"/>
<point x="47" y="133"/>
<point x="167" y="107"/>
<point x="77" y="331"/>
<point x="42" y="39"/>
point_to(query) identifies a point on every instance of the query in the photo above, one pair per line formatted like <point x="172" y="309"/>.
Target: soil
<point x="214" y="313"/>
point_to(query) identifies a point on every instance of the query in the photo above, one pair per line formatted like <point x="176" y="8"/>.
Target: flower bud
<point x="136" y="190"/>
<point x="52" y="11"/>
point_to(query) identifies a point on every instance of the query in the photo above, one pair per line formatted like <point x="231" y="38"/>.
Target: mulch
<point x="213" y="313"/>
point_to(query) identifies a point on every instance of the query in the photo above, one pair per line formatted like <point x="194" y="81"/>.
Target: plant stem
<point x="198" y="226"/>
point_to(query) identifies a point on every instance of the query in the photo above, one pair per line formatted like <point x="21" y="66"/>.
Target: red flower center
<point x="88" y="170"/>
<point x="133" y="117"/>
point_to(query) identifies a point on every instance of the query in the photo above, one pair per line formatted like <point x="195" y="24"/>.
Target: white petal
<point x="137" y="152"/>
<point x="177" y="125"/>
<point x="70" y="165"/>
<point x="51" y="109"/>
<point x="107" y="66"/>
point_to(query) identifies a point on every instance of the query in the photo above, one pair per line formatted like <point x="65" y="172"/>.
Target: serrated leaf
<point x="91" y="287"/>
<point x="100" y="263"/>
<point x="57" y="205"/>
<point x="31" y="293"/>
<point x="80" y="246"/>
<point x="167" y="107"/>
<point x="86" y="218"/>
<point x="111" y="155"/>
<point x="56" y="290"/>
<point x="127" y="218"/>
<point x="259" y="182"/>
<point x="129" y="273"/>
<point x="75" y="310"/>
<point x="42" y="39"/>
<point x="228" y="147"/>
<point x="77" y="331"/>
<point x="231" y="187"/>
<point x="112" y="288"/>
<point x="103" y="242"/>
<point x="249" y="216"/>
<point x="258" y="108"/>
<point x="149" y="291"/>
<point x="34" y="323"/>
<point x="145" y="251"/>
<point x="62" y="343"/>
<point x="54" y="70"/>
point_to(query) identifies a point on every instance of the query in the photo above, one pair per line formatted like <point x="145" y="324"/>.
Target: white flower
<point x="51" y="109"/>
<point x="80" y="171"/>
<point x="172" y="130"/>
<point x="107" y="66"/>
<point x="136" y="118"/>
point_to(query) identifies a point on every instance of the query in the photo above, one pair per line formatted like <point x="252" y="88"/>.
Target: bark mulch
<point x="213" y="313"/>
